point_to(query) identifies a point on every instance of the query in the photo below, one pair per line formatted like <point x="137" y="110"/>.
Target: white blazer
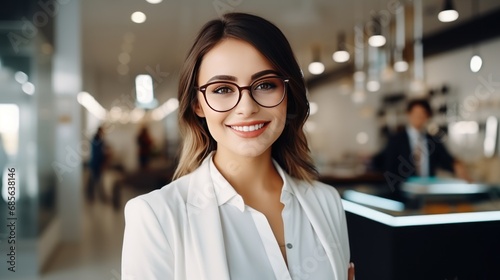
<point x="175" y="232"/>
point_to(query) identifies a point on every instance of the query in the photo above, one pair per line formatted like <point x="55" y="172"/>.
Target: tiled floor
<point x="97" y="256"/>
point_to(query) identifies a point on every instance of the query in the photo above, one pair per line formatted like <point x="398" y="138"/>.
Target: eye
<point x="265" y="85"/>
<point x="221" y="89"/>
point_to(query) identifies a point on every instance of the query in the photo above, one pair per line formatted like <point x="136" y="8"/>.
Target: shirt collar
<point x="286" y="191"/>
<point x="414" y="133"/>
<point x="225" y="193"/>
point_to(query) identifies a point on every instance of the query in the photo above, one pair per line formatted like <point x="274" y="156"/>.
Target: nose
<point x="247" y="106"/>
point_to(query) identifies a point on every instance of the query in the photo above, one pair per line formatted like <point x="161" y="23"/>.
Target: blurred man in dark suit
<point x="414" y="152"/>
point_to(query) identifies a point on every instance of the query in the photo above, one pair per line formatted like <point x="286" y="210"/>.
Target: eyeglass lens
<point x="267" y="92"/>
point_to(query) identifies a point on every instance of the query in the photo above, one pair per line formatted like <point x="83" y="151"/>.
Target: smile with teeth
<point x="248" y="127"/>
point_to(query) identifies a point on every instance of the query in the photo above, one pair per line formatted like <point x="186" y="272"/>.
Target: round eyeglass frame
<point x="203" y="89"/>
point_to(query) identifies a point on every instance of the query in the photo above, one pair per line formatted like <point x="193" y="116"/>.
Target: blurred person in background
<point x="244" y="203"/>
<point x="145" y="144"/>
<point x="413" y="152"/>
<point x="98" y="156"/>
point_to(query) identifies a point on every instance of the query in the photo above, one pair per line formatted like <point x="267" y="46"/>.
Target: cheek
<point x="283" y="111"/>
<point x="212" y="120"/>
<point x="281" y="118"/>
<point x="215" y="121"/>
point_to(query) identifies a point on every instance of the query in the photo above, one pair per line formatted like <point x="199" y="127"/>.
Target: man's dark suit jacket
<point x="398" y="158"/>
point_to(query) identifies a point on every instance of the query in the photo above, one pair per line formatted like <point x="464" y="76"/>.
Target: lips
<point x="251" y="129"/>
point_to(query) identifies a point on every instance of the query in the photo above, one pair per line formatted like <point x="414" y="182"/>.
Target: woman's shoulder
<point x="321" y="195"/>
<point x="170" y="197"/>
<point x="319" y="188"/>
<point x="325" y="189"/>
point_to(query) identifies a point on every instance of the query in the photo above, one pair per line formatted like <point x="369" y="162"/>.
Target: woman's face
<point x="248" y="129"/>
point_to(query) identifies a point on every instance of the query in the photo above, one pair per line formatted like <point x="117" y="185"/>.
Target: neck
<point x="248" y="175"/>
<point x="419" y="129"/>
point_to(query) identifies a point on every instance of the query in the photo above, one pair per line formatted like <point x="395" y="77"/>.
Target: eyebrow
<point x="234" y="79"/>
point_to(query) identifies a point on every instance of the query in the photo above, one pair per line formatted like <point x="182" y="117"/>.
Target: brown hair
<point x="290" y="150"/>
<point x="422" y="103"/>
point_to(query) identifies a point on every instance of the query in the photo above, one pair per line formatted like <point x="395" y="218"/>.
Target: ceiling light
<point x="373" y="86"/>
<point x="154" y="1"/>
<point x="316" y="67"/>
<point x="28" y="88"/>
<point x="448" y="13"/>
<point x="21" y="77"/>
<point x="165" y="109"/>
<point x="144" y="90"/>
<point x="115" y="113"/>
<point x="124" y="58"/>
<point x="313" y="108"/>
<point x="362" y="138"/>
<point x="466" y="127"/>
<point x="138" y="17"/>
<point x="341" y="55"/>
<point x="376" y="39"/>
<point x="417" y="85"/>
<point x="89" y="102"/>
<point x="475" y="63"/>
<point x="137" y="114"/>
<point x="401" y="66"/>
<point x="125" y="118"/>
<point x="490" y="138"/>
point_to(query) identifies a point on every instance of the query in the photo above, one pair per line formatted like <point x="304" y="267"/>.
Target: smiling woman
<point x="245" y="203"/>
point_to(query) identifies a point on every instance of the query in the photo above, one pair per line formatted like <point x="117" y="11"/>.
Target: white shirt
<point x="414" y="136"/>
<point x="180" y="232"/>
<point x="250" y="242"/>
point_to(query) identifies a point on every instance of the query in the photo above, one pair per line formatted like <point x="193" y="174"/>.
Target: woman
<point x="244" y="203"/>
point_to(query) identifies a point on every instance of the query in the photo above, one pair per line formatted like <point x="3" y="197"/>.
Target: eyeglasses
<point x="221" y="97"/>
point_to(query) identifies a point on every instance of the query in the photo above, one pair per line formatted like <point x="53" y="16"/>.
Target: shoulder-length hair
<point x="290" y="150"/>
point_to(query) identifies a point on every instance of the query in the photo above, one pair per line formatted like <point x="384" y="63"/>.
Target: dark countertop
<point x="424" y="202"/>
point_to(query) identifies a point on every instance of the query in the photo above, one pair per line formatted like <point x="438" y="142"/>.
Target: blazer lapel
<point x="207" y="250"/>
<point x="315" y="213"/>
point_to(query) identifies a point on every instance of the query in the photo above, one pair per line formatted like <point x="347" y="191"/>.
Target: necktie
<point x="417" y="155"/>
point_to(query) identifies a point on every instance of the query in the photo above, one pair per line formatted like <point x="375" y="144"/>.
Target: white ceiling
<point x="162" y="41"/>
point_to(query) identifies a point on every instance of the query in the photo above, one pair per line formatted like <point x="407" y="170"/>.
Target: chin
<point x="250" y="149"/>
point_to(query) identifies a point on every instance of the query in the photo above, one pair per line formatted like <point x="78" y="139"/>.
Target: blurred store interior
<point x="68" y="67"/>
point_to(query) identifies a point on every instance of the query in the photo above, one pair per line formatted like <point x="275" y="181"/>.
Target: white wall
<point x="339" y="120"/>
<point x="477" y="95"/>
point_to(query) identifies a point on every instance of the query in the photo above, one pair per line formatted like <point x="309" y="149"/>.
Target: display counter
<point x="433" y="229"/>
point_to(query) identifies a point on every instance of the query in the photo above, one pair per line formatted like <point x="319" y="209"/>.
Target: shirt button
<point x="289" y="245"/>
